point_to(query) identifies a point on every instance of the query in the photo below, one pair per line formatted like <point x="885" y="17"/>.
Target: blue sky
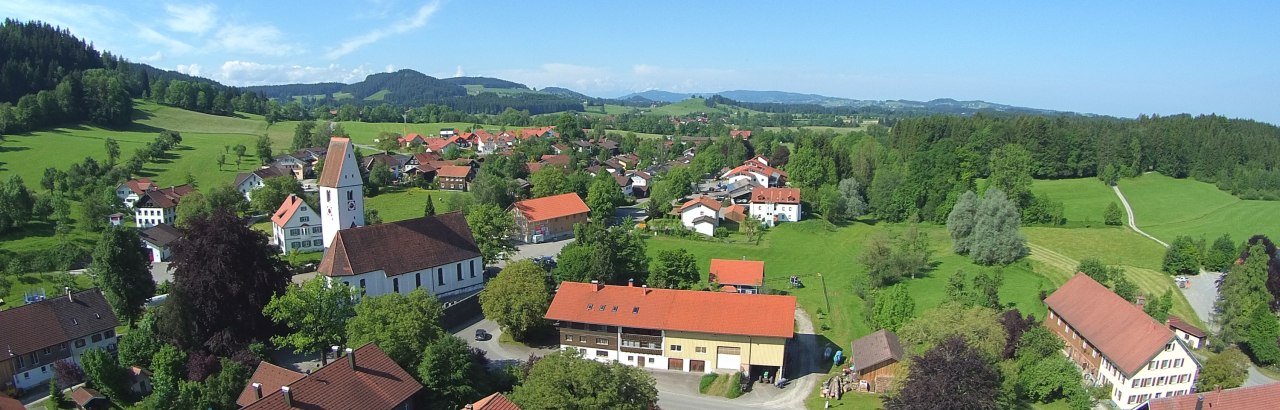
<point x="1114" y="58"/>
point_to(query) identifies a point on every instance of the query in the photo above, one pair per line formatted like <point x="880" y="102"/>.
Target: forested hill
<point x="486" y="82"/>
<point x="782" y="101"/>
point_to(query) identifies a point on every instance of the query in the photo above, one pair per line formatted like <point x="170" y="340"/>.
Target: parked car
<point x="482" y="335"/>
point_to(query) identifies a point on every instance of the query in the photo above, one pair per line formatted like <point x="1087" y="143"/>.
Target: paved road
<point x="1202" y="293"/>
<point x="1132" y="222"/>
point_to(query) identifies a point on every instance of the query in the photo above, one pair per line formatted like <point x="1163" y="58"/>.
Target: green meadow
<point x="1167" y="207"/>
<point x="1084" y="199"/>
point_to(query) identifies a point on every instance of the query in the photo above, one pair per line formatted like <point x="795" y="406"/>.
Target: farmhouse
<point x="454" y="177"/>
<point x="412" y="139"/>
<point x="365" y="378"/>
<point x="701" y="214"/>
<point x="36" y="335"/>
<point x="773" y="205"/>
<point x="1115" y="342"/>
<point x="296" y="227"/>
<point x="131" y="190"/>
<point x="548" y="218"/>
<point x="876" y="358"/>
<point x="301" y="163"/>
<point x="247" y="182"/>
<point x="159" y="241"/>
<point x="737" y="276"/>
<point x="159" y="206"/>
<point x="1253" y="397"/>
<point x="436" y="253"/>
<point x="684" y="330"/>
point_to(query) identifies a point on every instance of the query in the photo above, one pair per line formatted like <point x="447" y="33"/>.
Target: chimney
<point x="351" y="358"/>
<point x="257" y="390"/>
<point x="595" y="284"/>
<point x="68" y="289"/>
<point x="1200" y="402"/>
<point x="631" y="283"/>
<point x="288" y="398"/>
<point x="645" y="289"/>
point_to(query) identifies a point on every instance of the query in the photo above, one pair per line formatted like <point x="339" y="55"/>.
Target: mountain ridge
<point x="786" y="97"/>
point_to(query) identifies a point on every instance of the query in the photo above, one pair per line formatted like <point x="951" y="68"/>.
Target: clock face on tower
<point x="351" y="205"/>
<point x="328" y="210"/>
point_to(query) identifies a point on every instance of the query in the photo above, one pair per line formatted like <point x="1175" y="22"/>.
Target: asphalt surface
<point x="1202" y="294"/>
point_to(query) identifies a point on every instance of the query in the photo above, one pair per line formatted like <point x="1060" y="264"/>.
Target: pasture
<point x="398" y="204"/>
<point x="1167" y="207"/>
<point x="1084" y="199"/>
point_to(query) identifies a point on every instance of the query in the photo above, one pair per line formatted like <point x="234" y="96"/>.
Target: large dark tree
<point x="1273" y="266"/>
<point x="224" y="275"/>
<point x="951" y="370"/>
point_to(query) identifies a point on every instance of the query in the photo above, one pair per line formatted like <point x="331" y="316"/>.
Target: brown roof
<point x="494" y="401"/>
<point x="54" y="320"/>
<point x="83" y="396"/>
<point x="735" y="213"/>
<point x="454" y="171"/>
<point x="400" y="247"/>
<point x="139" y="186"/>
<point x="164" y="197"/>
<point x="332" y="171"/>
<point x="678" y="310"/>
<point x="286" y="210"/>
<point x="1177" y="323"/>
<point x="1121" y="331"/>
<point x="270" y="377"/>
<point x="775" y="195"/>
<point x="737" y="272"/>
<point x="550" y="207"/>
<point x="555" y="159"/>
<point x="161" y="235"/>
<point x="7" y="403"/>
<point x="376" y="382"/>
<point x="1255" y="397"/>
<point x="702" y="200"/>
<point x="875" y="349"/>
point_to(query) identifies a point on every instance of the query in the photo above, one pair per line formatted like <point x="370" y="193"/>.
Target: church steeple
<point x="341" y="189"/>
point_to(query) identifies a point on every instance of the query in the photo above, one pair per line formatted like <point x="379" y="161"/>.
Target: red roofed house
<point x="435" y="253"/>
<point x="411" y="140"/>
<point x="296" y="227"/>
<point x="454" y="177"/>
<point x="363" y="379"/>
<point x="1115" y="342"/>
<point x="756" y="171"/>
<point x="7" y="403"/>
<point x="683" y="330"/>
<point x="1254" y="397"/>
<point x="266" y="378"/>
<point x="438" y="144"/>
<point x="540" y="132"/>
<point x="61" y="328"/>
<point x="1190" y="334"/>
<point x="548" y="218"/>
<point x="744" y="134"/>
<point x="131" y="190"/>
<point x="494" y="401"/>
<point x="739" y="276"/>
<point x="773" y="205"/>
<point x="159" y="205"/>
<point x="701" y="214"/>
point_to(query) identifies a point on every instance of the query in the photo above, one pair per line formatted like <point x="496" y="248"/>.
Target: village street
<point x="1202" y="293"/>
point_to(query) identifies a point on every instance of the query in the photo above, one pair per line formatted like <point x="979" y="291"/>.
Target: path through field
<point x="1132" y="222"/>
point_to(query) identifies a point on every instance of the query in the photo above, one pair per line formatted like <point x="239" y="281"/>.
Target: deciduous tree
<point x="315" y="313"/>
<point x="121" y="269"/>
<point x="1182" y="257"/>
<point x="1113" y="215"/>
<point x="893" y="308"/>
<point x="517" y="298"/>
<point x="674" y="269"/>
<point x="448" y="373"/>
<point x="563" y="380"/>
<point x="961" y="220"/>
<point x="971" y="381"/>
<point x="980" y="327"/>
<point x="996" y="239"/>
<point x="103" y="373"/>
<point x="401" y="325"/>
<point x="1221" y="254"/>
<point x="1227" y="370"/>
<point x="603" y="196"/>
<point x="267" y="198"/>
<point x="491" y="227"/>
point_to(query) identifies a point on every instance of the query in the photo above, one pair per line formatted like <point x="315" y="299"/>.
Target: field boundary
<point x="1132" y="221"/>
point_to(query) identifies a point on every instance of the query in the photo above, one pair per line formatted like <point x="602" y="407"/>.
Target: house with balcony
<point x="35" y="336"/>
<point x="1114" y="342"/>
<point x="159" y="205"/>
<point x="682" y="330"/>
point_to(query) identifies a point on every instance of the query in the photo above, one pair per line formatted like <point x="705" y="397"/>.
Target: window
<point x="631" y="358"/>
<point x="473" y="267"/>
<point x="700" y="349"/>
<point x="1177" y="362"/>
<point x="1160" y="381"/>
<point x="650" y="360"/>
<point x="602" y="353"/>
<point x="109" y="334"/>
<point x="361" y="283"/>
<point x="395" y="285"/>
<point x="458" y="268"/>
<point x="79" y="344"/>
<point x="315" y="230"/>
<point x="295" y="244"/>
<point x="417" y="280"/>
<point x="602" y="341"/>
<point x="582" y="339"/>
<point x="675" y="348"/>
<point x="350" y="196"/>
<point x="96" y="338"/>
<point x="63" y="346"/>
<point x="568" y="338"/>
<point x="317" y="242"/>
<point x="293" y="232"/>
<point x="304" y="218"/>
<point x="47" y="351"/>
<point x="440" y="276"/>
<point x="1164" y="363"/>
<point x="328" y="195"/>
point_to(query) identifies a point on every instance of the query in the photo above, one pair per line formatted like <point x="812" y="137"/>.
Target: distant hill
<point x="486" y="82"/>
<point x="404" y="86"/>
<point x="566" y="93"/>
<point x="940" y="106"/>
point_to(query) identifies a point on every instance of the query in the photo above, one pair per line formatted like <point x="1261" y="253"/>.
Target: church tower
<point x="341" y="190"/>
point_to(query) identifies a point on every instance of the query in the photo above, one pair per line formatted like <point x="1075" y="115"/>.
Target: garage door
<point x="675" y="364"/>
<point x="728" y="358"/>
<point x="697" y="366"/>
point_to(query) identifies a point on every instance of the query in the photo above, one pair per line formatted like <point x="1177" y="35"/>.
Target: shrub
<point x="706" y="381"/>
<point x="735" y="386"/>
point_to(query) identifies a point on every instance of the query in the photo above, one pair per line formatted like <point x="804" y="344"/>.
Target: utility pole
<point x="824" y="292"/>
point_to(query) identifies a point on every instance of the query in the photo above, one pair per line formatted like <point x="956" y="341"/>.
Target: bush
<point x="735" y="386"/>
<point x="706" y="381"/>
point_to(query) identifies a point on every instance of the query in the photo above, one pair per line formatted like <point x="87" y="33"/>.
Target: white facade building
<point x="1172" y="372"/>
<point x="341" y="190"/>
<point x="436" y="253"/>
<point x="296" y="227"/>
<point x="701" y="214"/>
<point x="159" y="206"/>
<point x="773" y="205"/>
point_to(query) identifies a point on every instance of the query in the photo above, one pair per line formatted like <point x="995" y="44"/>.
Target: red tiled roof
<point x="438" y="144"/>
<point x="775" y="195"/>
<point x="410" y="138"/>
<point x="400" y="247"/>
<point x="556" y="159"/>
<point x="376" y="382"/>
<point x="7" y="403"/>
<point x="678" y="310"/>
<point x="270" y="377"/>
<point x="164" y="197"/>
<point x="1121" y="331"/>
<point x="755" y="167"/>
<point x="702" y="200"/>
<point x="286" y="210"/>
<point x="549" y="207"/>
<point x="1177" y="323"/>
<point x="453" y="171"/>
<point x="337" y="153"/>
<point x="494" y="401"/>
<point x="139" y="186"/>
<point x="533" y="166"/>
<point x="52" y="321"/>
<point x="737" y="272"/>
<point x="1255" y="397"/>
<point x="83" y="396"/>
<point x="735" y="212"/>
<point x="740" y="133"/>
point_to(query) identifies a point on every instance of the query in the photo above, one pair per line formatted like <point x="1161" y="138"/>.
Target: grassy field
<point x="791" y="249"/>
<point x="401" y="204"/>
<point x="1168" y="207"/>
<point x="692" y="106"/>
<point x="50" y="282"/>
<point x="1083" y="199"/>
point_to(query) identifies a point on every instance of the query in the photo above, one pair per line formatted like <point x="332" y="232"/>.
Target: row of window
<point x="299" y="231"/>
<point x="1160" y="381"/>
<point x="151" y="211"/>
<point x="1164" y="364"/>
<point x="303" y="244"/>
<point x="34" y="357"/>
<point x="417" y="277"/>
<point x="696" y="349"/>
<point x="1142" y="398"/>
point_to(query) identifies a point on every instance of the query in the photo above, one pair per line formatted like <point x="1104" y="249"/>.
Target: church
<point x="435" y="253"/>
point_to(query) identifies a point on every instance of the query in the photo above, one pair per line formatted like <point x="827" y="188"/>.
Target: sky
<point x="1105" y="57"/>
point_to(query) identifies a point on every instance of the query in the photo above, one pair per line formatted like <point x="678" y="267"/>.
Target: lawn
<point x="807" y="248"/>
<point x="692" y="106"/>
<point x="1084" y="199"/>
<point x="1167" y="207"/>
<point x="51" y="283"/>
<point x="406" y="203"/>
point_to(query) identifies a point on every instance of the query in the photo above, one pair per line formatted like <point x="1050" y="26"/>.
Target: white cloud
<point x="418" y="20"/>
<point x="254" y="39"/>
<point x="152" y="58"/>
<point x="191" y="19"/>
<point x="577" y="77"/>
<point x="174" y="46"/>
<point x="91" y="22"/>
<point x="246" y="73"/>
<point x="391" y="68"/>
<point x="459" y="72"/>
<point x="188" y="69"/>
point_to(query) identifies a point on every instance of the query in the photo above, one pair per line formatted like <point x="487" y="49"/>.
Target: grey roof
<point x="54" y="320"/>
<point x="161" y="235"/>
<point x="875" y="349"/>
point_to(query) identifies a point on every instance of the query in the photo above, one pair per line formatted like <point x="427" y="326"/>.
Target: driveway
<point x="534" y="250"/>
<point x="499" y="354"/>
<point x="1201" y="294"/>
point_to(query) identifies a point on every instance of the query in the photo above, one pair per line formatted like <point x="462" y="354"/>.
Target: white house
<point x="159" y="206"/>
<point x="1114" y="342"/>
<point x="640" y="183"/>
<point x="701" y="214"/>
<point x="773" y="205"/>
<point x="341" y="190"/>
<point x="159" y="240"/>
<point x="247" y="182"/>
<point x="296" y="227"/>
<point x="758" y="171"/>
<point x="60" y="328"/>
<point x="131" y="190"/>
<point x="436" y="253"/>
<point x="1193" y="336"/>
